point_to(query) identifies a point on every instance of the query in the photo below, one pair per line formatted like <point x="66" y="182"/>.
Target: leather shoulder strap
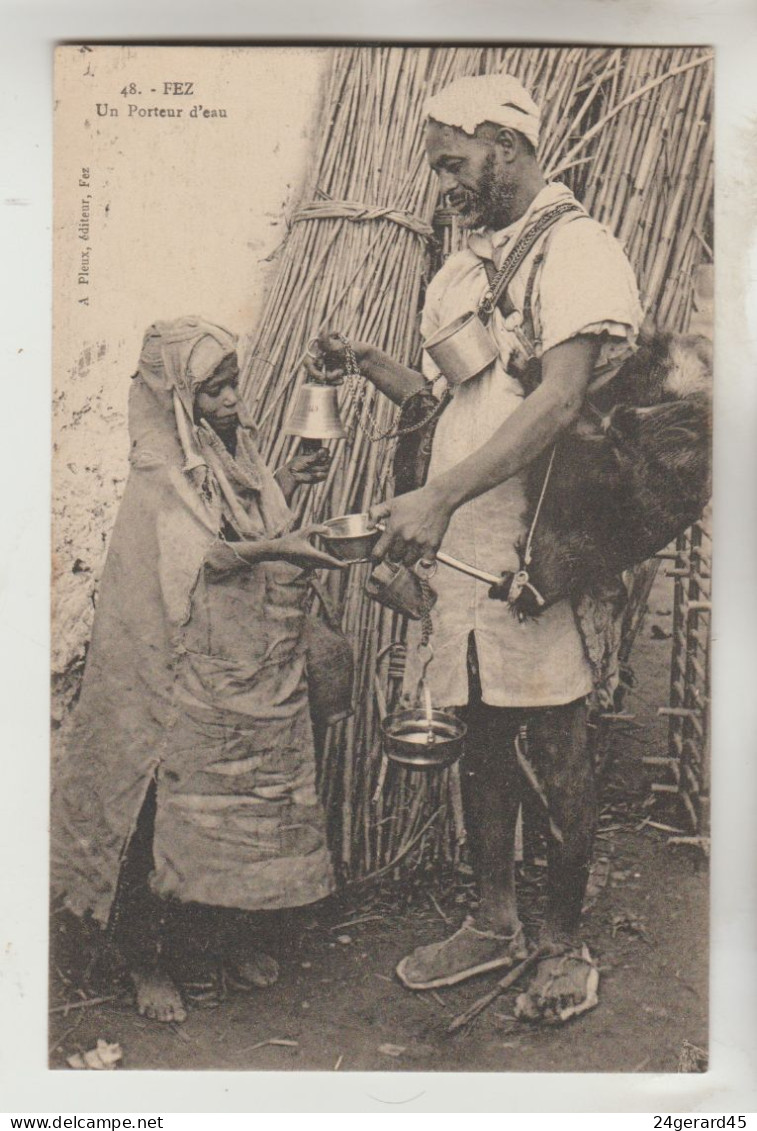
<point x="529" y="328"/>
<point x="500" y="281"/>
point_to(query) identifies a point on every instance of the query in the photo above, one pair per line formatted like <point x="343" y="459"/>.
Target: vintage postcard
<point x="381" y="558"/>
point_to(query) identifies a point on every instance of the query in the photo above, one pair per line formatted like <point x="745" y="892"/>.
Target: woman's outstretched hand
<point x="295" y="549"/>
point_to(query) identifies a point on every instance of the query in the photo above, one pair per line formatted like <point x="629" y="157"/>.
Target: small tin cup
<point x="462" y="349"/>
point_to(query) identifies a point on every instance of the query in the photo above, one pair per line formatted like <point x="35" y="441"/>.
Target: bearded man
<point x="522" y="687"/>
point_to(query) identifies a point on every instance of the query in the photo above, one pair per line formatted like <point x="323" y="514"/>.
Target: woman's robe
<point x="195" y="679"/>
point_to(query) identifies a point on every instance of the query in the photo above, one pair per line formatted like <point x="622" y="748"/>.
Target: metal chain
<point x="356" y="389"/>
<point x="425" y="652"/>
<point x="427" y="626"/>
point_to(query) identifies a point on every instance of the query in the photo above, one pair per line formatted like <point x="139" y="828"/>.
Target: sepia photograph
<point x="381" y="558"/>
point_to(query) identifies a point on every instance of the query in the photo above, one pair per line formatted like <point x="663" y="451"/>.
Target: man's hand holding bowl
<point x="415" y="525"/>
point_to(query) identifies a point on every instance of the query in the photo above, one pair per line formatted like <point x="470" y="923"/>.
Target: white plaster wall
<point x="183" y="220"/>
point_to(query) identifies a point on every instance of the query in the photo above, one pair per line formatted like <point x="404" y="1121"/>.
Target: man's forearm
<point x="517" y="442"/>
<point x="417" y="522"/>
<point x="390" y="378"/>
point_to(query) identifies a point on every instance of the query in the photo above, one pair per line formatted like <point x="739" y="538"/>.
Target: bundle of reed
<point x="356" y="257"/>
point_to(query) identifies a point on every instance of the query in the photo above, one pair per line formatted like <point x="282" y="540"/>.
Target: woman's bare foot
<point x="251" y="970"/>
<point x="157" y="996"/>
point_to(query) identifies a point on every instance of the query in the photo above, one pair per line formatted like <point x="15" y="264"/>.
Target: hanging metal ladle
<point x="471" y="571"/>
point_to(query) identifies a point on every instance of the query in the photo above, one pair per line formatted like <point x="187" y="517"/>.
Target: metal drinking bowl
<point x="406" y="738"/>
<point x="351" y="537"/>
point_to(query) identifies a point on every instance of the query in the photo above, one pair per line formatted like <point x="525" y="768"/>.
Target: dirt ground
<point x="338" y="1006"/>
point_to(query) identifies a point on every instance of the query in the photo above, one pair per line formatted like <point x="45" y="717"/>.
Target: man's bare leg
<point x="558" y="746"/>
<point x="491" y="785"/>
<point x="558" y="752"/>
<point x="140" y="941"/>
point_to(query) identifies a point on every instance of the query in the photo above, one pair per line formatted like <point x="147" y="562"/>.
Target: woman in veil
<point x="193" y="727"/>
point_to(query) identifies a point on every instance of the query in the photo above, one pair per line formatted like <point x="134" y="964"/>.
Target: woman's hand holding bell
<point x="304" y="469"/>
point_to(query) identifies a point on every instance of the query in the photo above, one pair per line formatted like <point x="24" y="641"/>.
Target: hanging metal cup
<point x="462" y="349"/>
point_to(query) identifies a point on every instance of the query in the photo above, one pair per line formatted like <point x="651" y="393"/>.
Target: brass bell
<point x="315" y="414"/>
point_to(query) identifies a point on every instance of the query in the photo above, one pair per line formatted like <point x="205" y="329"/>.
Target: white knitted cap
<point x="475" y="99"/>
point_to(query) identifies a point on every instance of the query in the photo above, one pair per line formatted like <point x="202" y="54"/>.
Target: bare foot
<point x="252" y="970"/>
<point x="564" y="986"/>
<point x="157" y="996"/>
